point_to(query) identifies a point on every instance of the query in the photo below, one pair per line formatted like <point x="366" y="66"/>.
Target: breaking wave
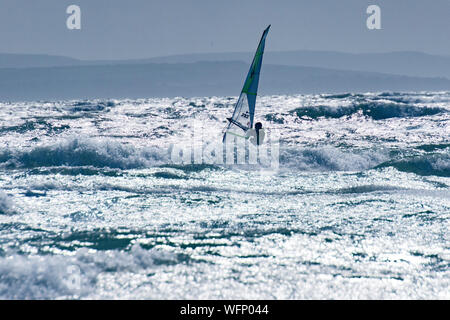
<point x="330" y="158"/>
<point x="90" y="106"/>
<point x="108" y="158"/>
<point x="374" y="110"/>
<point x="334" y="159"/>
<point x="86" y="152"/>
<point x="425" y="165"/>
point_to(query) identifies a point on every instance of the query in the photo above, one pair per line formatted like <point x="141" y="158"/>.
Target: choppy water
<point x="92" y="207"/>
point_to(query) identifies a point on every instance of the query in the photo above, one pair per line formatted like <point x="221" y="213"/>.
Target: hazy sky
<point x="113" y="29"/>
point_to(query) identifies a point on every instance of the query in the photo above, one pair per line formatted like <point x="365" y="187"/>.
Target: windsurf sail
<point x="244" y="110"/>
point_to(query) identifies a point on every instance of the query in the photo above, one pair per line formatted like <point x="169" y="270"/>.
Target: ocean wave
<point x="374" y="110"/>
<point x="330" y="159"/>
<point x="424" y="165"/>
<point x="94" y="156"/>
<point x="90" y="106"/>
<point x="75" y="171"/>
<point x="342" y="96"/>
<point x="37" y="124"/>
<point x="366" y="189"/>
<point x="84" y="152"/>
<point x="334" y="159"/>
<point x="433" y="147"/>
<point x="69" y="277"/>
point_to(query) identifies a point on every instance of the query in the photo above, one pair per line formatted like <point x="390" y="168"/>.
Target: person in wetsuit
<point x="256" y="136"/>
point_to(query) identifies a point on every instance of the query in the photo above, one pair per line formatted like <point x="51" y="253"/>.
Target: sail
<point x="244" y="111"/>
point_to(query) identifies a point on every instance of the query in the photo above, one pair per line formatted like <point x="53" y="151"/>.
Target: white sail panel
<point x="240" y="121"/>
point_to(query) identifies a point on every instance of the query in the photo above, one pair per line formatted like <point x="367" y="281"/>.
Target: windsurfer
<point x="256" y="136"/>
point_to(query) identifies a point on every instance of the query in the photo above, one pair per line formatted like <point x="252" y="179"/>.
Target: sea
<point x="354" y="202"/>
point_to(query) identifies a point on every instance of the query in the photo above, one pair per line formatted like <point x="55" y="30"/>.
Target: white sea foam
<point x="74" y="276"/>
<point x="85" y="151"/>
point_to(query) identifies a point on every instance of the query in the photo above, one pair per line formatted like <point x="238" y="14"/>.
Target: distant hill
<point x="8" y="60"/>
<point x="402" y="63"/>
<point x="415" y="64"/>
<point x="192" y="79"/>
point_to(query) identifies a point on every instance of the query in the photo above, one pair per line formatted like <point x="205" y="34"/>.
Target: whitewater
<point x="93" y="207"/>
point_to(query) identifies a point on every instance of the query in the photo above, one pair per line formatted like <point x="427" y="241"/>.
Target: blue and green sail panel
<point x="244" y="111"/>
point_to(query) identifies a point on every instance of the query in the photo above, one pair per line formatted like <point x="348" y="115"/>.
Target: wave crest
<point x="374" y="110"/>
<point x="330" y="158"/>
<point x="425" y="165"/>
<point x="84" y="152"/>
